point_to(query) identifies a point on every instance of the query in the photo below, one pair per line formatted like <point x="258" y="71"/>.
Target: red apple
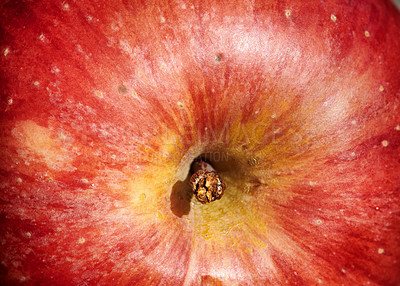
<point x="106" y="104"/>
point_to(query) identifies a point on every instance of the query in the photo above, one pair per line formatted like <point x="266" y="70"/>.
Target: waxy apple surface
<point x="105" y="104"/>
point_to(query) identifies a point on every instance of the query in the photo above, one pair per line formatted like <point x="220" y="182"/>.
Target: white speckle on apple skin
<point x="397" y="128"/>
<point x="98" y="93"/>
<point x="84" y="180"/>
<point x="288" y="13"/>
<point x="385" y="143"/>
<point x="6" y="51"/>
<point x="28" y="234"/>
<point x="79" y="48"/>
<point x="381" y="88"/>
<point x="162" y="20"/>
<point x="381" y="250"/>
<point x="333" y="18"/>
<point x="19" y="180"/>
<point x="42" y="37"/>
<point x="10" y="101"/>
<point x="125" y="46"/>
<point x="163" y="67"/>
<point x="55" y="70"/>
<point x="367" y="34"/>
<point x="65" y="6"/>
<point x="354" y="122"/>
<point x="81" y="240"/>
<point x="343" y="270"/>
<point x="90" y="19"/>
<point x="36" y="83"/>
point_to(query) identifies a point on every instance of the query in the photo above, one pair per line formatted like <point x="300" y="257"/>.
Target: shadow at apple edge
<point x="180" y="198"/>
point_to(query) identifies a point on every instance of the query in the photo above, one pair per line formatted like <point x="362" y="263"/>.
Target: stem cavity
<point x="206" y="184"/>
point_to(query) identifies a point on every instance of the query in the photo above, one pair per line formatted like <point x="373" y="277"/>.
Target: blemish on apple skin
<point x="42" y="37"/>
<point x="252" y="162"/>
<point x="122" y="89"/>
<point x="28" y="234"/>
<point x="218" y="58"/>
<point x="385" y="143"/>
<point x="318" y="222"/>
<point x="10" y="101"/>
<point x="333" y="18"/>
<point x="367" y="34"/>
<point x="288" y="13"/>
<point x="180" y="105"/>
<point x="6" y="51"/>
<point x="381" y="250"/>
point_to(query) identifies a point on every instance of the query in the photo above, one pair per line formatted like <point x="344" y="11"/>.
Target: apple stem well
<point x="206" y="183"/>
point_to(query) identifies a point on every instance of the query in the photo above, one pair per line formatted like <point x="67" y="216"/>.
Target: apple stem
<point x="206" y="183"/>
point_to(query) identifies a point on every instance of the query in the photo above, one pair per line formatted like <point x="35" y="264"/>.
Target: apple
<point x="106" y="106"/>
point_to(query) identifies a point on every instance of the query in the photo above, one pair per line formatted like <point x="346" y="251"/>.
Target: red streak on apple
<point x="105" y="104"/>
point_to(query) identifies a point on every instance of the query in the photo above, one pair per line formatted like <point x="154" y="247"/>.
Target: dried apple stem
<point x="206" y="183"/>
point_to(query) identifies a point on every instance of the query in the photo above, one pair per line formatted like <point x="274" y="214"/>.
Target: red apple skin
<point x="104" y="104"/>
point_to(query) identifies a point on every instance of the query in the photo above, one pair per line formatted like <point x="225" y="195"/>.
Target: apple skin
<point x="105" y="104"/>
